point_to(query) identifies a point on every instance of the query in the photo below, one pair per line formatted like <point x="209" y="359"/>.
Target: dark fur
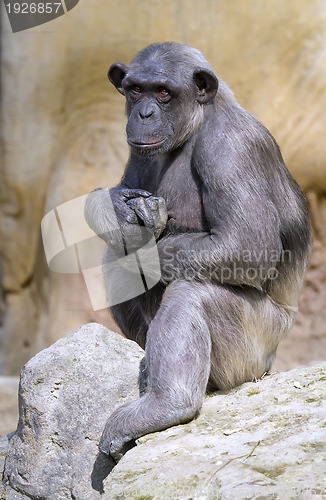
<point x="232" y="233"/>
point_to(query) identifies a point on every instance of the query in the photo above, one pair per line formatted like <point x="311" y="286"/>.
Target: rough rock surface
<point x="66" y="394"/>
<point x="265" y="439"/>
<point x="4" y="441"/>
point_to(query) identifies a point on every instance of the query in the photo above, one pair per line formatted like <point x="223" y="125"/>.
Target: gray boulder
<point x="3" y="452"/>
<point x="66" y="394"/>
<point x="263" y="440"/>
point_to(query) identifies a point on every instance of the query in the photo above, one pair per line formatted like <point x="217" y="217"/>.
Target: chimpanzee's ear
<point x="116" y="74"/>
<point x="207" y="85"/>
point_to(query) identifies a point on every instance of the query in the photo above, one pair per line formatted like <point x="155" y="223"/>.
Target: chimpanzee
<point x="207" y="179"/>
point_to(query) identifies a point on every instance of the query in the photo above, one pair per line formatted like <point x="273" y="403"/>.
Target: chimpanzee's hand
<point x="123" y="199"/>
<point x="138" y="213"/>
<point x="151" y="211"/>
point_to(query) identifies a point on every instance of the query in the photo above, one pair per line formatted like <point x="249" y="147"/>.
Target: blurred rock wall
<point x="63" y="135"/>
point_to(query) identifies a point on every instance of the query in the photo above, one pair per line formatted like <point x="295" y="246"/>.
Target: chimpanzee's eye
<point x="135" y="89"/>
<point x="163" y="94"/>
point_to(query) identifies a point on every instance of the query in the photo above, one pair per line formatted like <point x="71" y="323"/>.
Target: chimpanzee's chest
<point x="179" y="185"/>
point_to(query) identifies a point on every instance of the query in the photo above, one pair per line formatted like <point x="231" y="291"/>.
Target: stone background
<point x="63" y="135"/>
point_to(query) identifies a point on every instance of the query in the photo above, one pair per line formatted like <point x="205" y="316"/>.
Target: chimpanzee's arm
<point x="242" y="244"/>
<point x="125" y="216"/>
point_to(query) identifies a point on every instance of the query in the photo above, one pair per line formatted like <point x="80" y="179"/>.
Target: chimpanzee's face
<point x="162" y="108"/>
<point x="154" y="107"/>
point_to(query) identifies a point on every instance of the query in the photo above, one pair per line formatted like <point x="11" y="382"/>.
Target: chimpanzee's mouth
<point x="148" y="145"/>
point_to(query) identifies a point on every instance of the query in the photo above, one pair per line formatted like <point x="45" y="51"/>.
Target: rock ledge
<point x="262" y="440"/>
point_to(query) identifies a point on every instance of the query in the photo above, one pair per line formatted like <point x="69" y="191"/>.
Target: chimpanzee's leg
<point x="134" y="316"/>
<point x="246" y="327"/>
<point x="178" y="352"/>
<point x="224" y="334"/>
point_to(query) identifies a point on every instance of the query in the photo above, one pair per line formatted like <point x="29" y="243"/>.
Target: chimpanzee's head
<point x="166" y="86"/>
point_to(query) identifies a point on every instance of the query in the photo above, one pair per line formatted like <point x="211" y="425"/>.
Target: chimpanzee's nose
<point x="147" y="114"/>
<point x="146" y="111"/>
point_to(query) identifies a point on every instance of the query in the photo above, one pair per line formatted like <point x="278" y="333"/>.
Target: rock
<point x="277" y="449"/>
<point x="7" y="493"/>
<point x="3" y="452"/>
<point x="66" y="394"/>
<point x="8" y="404"/>
<point x="265" y="439"/>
